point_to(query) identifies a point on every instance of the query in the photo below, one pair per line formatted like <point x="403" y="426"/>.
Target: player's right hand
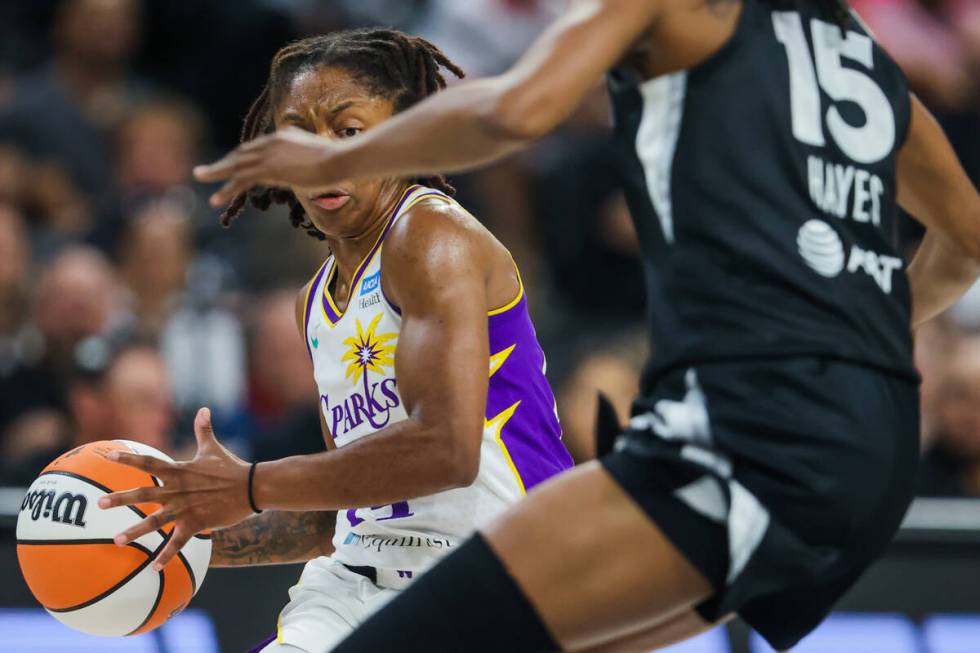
<point x="210" y="491"/>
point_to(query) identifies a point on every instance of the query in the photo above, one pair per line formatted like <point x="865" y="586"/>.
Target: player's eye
<point x="348" y="132"/>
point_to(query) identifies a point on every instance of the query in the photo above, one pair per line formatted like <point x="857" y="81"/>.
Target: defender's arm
<point x="933" y="187"/>
<point x="460" y="128"/>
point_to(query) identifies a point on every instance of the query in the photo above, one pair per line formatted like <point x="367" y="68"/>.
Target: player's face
<point x="329" y="102"/>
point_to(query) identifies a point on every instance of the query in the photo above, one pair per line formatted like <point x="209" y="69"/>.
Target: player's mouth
<point x="331" y="200"/>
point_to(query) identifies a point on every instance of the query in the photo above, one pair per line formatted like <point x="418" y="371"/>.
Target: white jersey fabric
<point x="353" y="353"/>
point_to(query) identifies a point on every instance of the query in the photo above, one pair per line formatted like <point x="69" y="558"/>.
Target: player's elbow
<point x="461" y="461"/>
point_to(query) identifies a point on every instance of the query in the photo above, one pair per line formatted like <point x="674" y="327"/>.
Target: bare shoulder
<point x="438" y="243"/>
<point x="436" y="233"/>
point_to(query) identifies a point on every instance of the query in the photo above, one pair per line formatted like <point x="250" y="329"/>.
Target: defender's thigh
<point x="592" y="563"/>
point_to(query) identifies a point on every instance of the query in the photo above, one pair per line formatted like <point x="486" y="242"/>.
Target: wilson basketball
<point x="68" y="558"/>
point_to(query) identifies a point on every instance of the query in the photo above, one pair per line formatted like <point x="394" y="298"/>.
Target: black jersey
<point x="762" y="184"/>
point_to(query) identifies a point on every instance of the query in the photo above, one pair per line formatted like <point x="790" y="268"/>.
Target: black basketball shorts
<point x="780" y="480"/>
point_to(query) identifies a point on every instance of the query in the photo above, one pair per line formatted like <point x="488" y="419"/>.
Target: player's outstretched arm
<point x="274" y="537"/>
<point x="463" y="127"/>
<point x="933" y="187"/>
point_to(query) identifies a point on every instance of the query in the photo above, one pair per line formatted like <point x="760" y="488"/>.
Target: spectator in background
<point x="611" y="371"/>
<point x="951" y="465"/>
<point x="77" y="296"/>
<point x="154" y="149"/>
<point x="123" y="394"/>
<point x="485" y="36"/>
<point x="157" y="145"/>
<point x="14" y="264"/>
<point x="283" y="400"/>
<point x="937" y="44"/>
<point x="935" y="344"/>
<point x="924" y="40"/>
<point x="139" y="399"/>
<point x="176" y="297"/>
<point x="55" y="211"/>
<point x="154" y="257"/>
<point x="67" y="110"/>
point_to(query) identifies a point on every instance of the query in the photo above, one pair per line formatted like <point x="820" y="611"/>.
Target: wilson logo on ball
<point x="42" y="503"/>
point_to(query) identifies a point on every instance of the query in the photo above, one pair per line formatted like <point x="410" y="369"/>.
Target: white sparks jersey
<point x="353" y="354"/>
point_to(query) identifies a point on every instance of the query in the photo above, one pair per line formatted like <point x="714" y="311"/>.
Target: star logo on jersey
<point x="369" y="351"/>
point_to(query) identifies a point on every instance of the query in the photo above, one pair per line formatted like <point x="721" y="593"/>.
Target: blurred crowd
<point x="124" y="306"/>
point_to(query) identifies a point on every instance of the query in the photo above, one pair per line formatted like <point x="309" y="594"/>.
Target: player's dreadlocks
<point x="403" y="68"/>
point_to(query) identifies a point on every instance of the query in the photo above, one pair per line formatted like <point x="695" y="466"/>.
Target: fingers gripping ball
<point x="68" y="558"/>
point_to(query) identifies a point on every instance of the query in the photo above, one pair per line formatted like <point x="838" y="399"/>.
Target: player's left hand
<point x="287" y="157"/>
<point x="210" y="491"/>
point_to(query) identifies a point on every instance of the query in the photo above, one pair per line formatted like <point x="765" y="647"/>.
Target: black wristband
<point x="251" y="497"/>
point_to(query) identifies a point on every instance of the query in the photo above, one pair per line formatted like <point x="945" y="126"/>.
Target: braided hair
<point x="403" y="68"/>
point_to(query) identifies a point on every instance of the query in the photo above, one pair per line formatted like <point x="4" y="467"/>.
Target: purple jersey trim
<point x="261" y="645"/>
<point x="334" y="314"/>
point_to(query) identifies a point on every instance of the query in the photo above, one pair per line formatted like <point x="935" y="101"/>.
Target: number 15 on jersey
<point x="825" y="70"/>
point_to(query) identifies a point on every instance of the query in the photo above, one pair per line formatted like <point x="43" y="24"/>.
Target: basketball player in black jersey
<point x="768" y="145"/>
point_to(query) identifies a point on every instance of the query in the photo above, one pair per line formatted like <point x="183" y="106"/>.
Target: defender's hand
<point x="288" y="157"/>
<point x="210" y="491"/>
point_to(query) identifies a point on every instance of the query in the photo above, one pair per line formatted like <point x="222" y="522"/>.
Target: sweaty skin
<point x="445" y="272"/>
<point x="649" y="589"/>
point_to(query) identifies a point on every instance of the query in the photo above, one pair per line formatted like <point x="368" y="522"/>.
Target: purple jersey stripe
<point x="532" y="436"/>
<point x="332" y="314"/>
<point x="261" y="645"/>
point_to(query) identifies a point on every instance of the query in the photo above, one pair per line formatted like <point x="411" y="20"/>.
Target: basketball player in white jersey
<point x="767" y="146"/>
<point x="431" y="383"/>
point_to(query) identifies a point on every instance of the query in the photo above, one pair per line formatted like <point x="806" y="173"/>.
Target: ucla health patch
<point x="371" y="283"/>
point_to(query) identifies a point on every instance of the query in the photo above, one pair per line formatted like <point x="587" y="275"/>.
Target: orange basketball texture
<point x="70" y="562"/>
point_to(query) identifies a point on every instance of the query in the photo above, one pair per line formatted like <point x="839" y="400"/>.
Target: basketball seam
<point x="129" y="577"/>
<point x="190" y="572"/>
<point x="156" y="604"/>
